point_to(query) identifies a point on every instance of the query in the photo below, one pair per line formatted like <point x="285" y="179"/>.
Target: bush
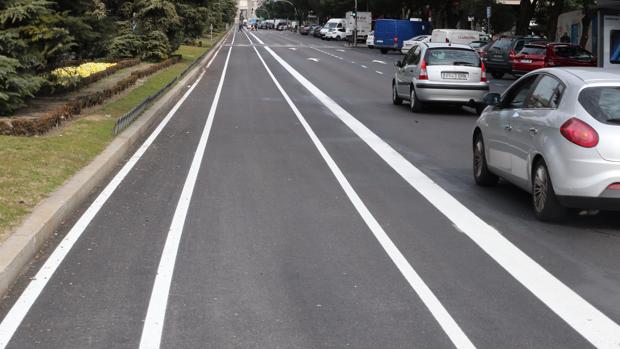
<point x="125" y="46"/>
<point x="15" y="86"/>
<point x="155" y="46"/>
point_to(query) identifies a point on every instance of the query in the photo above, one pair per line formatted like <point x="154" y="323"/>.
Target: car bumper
<point x="600" y="203"/>
<point x="495" y="66"/>
<point x="453" y="93"/>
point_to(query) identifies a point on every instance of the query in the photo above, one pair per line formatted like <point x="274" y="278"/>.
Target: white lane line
<point x="445" y="320"/>
<point x="313" y="59"/>
<point x="340" y="50"/>
<point x="588" y="321"/>
<point x="158" y="303"/>
<point x="352" y="62"/>
<point x="365" y="67"/>
<point x="16" y="315"/>
<point x="378" y="72"/>
<point x="378" y="61"/>
<point x="292" y="49"/>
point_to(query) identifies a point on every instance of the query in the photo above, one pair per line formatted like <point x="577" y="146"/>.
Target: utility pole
<point x="355" y="26"/>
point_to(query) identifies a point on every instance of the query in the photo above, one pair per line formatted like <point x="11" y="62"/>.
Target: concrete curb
<point x="17" y="251"/>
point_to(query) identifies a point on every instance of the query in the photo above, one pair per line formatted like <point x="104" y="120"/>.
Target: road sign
<point x="488" y="11"/>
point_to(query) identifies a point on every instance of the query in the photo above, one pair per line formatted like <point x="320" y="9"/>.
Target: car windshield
<point x="502" y="44"/>
<point x="573" y="52"/>
<point x="533" y="50"/>
<point x="452" y="56"/>
<point x="332" y="25"/>
<point x="603" y="103"/>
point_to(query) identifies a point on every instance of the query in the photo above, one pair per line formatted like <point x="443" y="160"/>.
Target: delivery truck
<point x="364" y="25"/>
<point x="390" y="33"/>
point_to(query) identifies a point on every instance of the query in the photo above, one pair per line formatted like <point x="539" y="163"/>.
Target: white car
<point x="336" y="34"/>
<point x="408" y="44"/>
<point x="370" y="39"/>
<point x="556" y="134"/>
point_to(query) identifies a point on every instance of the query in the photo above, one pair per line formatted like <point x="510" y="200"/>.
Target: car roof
<point x="447" y="45"/>
<point x="586" y="75"/>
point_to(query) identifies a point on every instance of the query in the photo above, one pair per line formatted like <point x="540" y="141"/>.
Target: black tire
<point x="415" y="105"/>
<point x="547" y="207"/>
<point x="395" y="98"/>
<point x="384" y="51"/>
<point x="482" y="175"/>
<point x="497" y="75"/>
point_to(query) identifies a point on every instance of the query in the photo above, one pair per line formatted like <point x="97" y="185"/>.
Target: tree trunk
<point x="588" y="14"/>
<point x="555" y="12"/>
<point x="526" y="13"/>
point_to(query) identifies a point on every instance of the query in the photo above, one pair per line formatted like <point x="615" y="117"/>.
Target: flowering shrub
<point x="68" y="76"/>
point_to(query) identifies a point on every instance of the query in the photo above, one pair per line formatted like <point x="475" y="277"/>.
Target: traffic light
<point x="354" y="14"/>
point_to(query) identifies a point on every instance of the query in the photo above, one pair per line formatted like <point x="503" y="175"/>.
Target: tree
<point x="15" y="85"/>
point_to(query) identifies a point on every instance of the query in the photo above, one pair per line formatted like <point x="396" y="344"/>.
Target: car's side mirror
<point x="492" y="99"/>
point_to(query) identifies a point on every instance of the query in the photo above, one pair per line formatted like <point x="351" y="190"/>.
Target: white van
<point x="334" y="24"/>
<point x="457" y="36"/>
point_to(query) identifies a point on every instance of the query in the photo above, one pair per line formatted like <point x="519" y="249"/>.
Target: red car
<point x="538" y="55"/>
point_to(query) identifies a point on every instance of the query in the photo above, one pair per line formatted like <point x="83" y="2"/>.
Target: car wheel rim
<point x="540" y="189"/>
<point x="478" y="156"/>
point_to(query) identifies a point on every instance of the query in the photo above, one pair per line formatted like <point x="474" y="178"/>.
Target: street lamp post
<point x="355" y="27"/>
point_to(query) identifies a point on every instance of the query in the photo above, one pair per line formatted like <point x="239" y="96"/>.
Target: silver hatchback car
<point x="555" y="133"/>
<point x="440" y="73"/>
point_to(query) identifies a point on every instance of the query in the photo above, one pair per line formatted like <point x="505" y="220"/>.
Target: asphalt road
<point x="288" y="204"/>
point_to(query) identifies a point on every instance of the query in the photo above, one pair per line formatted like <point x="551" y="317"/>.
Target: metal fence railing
<point x="124" y="121"/>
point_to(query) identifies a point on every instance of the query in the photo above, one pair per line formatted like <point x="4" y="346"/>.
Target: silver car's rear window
<point x="603" y="103"/>
<point x="452" y="56"/>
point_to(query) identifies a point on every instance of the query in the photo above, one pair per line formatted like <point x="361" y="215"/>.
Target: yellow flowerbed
<point x="71" y="74"/>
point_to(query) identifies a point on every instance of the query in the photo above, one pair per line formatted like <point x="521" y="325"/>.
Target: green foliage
<point x="160" y="15"/>
<point x="126" y="46"/>
<point x="155" y="46"/>
<point x="194" y="20"/>
<point x="15" y="86"/>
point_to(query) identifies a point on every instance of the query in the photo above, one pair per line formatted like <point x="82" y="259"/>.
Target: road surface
<point x="287" y="203"/>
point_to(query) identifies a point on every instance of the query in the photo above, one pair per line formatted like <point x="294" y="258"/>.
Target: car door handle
<point x="508" y="127"/>
<point x="533" y="131"/>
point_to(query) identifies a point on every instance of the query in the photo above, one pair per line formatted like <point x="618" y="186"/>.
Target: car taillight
<point x="579" y="133"/>
<point x="423" y="73"/>
<point x="615" y="186"/>
<point x="512" y="55"/>
<point x="483" y="72"/>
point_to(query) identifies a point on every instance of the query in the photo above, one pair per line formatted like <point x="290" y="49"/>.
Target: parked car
<point x="317" y="32"/>
<point x="304" y="30"/>
<point x="370" y="40"/>
<point x="556" y="134"/>
<point x="407" y="44"/>
<point x="498" y="55"/>
<point x="440" y="72"/>
<point x="313" y="28"/>
<point x="391" y="33"/>
<point x="336" y="34"/>
<point x="478" y="44"/>
<point x="536" y="56"/>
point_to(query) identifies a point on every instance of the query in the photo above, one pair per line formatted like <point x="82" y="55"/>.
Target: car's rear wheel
<point x="415" y="104"/>
<point x="395" y="98"/>
<point x="497" y="75"/>
<point x="482" y="175"/>
<point x="384" y="51"/>
<point x="546" y="204"/>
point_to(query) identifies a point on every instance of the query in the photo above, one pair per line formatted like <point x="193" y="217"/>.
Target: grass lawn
<point x="31" y="168"/>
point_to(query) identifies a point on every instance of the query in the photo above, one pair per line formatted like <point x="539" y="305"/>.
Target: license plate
<point x="526" y="61"/>
<point x="454" y="76"/>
